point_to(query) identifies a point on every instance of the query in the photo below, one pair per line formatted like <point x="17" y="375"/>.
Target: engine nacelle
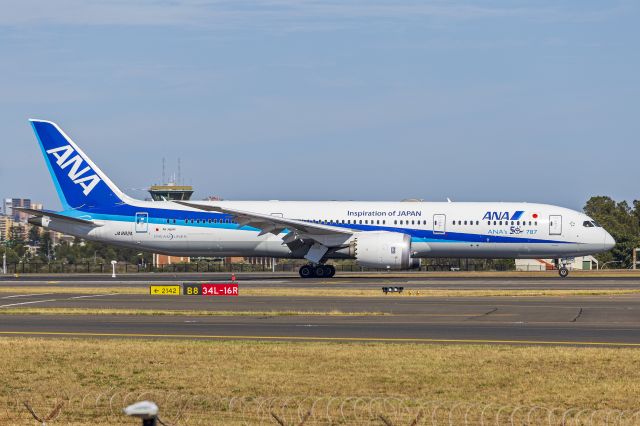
<point x="389" y="250"/>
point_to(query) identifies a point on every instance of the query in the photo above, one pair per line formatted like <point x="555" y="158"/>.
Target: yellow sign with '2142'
<point x="164" y="290"/>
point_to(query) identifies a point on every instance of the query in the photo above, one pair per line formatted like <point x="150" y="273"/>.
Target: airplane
<point x="384" y="235"/>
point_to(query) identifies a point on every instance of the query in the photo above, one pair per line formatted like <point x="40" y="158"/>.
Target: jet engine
<point x="388" y="250"/>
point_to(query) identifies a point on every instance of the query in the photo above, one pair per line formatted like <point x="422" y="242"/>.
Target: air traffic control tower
<point x="171" y="192"/>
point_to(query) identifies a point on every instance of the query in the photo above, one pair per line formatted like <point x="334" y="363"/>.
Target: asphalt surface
<point x="576" y="320"/>
<point x="368" y="281"/>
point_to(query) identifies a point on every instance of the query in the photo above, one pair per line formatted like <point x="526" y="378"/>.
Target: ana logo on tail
<point x="64" y="159"/>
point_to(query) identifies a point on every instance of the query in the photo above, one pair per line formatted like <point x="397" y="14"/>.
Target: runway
<point x="344" y="281"/>
<point x="574" y="320"/>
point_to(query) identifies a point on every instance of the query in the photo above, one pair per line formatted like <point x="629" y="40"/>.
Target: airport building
<point x="582" y="263"/>
<point x="170" y="192"/>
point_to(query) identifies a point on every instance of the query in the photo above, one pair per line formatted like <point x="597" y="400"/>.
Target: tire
<point x="320" y="271"/>
<point x="331" y="271"/>
<point x="306" y="271"/>
<point x="563" y="272"/>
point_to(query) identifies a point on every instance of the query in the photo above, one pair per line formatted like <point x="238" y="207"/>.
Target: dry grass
<point x="41" y="369"/>
<point x="189" y="313"/>
<point x="329" y="292"/>
<point x="55" y="289"/>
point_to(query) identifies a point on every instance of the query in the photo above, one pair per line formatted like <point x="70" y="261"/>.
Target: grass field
<point x="96" y="377"/>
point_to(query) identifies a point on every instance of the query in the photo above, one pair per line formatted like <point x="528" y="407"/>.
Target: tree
<point x="623" y="223"/>
<point x="45" y="248"/>
<point x="34" y="235"/>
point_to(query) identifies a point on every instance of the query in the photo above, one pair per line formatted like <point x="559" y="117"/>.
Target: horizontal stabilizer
<point x="43" y="213"/>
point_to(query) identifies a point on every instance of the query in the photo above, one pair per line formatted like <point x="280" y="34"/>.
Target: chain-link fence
<point x="203" y="267"/>
<point x="180" y="409"/>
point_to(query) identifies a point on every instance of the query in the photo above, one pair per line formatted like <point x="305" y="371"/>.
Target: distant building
<point x="9" y="204"/>
<point x="163" y="259"/>
<point x="20" y="231"/>
<point x="581" y="263"/>
<point x="6" y="223"/>
<point x="7" y="207"/>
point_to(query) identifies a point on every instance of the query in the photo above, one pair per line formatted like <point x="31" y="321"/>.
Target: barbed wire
<point x="177" y="408"/>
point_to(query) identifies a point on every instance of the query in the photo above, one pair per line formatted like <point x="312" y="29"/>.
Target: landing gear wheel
<point x="331" y="271"/>
<point x="564" y="272"/>
<point x="306" y="271"/>
<point x="321" y="271"/>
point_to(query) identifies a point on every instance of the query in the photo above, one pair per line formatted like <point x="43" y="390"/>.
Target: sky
<point x="492" y="100"/>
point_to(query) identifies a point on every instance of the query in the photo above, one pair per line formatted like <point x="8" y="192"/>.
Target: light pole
<point x="113" y="268"/>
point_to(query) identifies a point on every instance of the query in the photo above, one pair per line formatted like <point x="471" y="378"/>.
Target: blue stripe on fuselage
<point x="126" y="213"/>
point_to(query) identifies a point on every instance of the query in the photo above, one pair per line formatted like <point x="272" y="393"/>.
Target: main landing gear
<point x="317" y="271"/>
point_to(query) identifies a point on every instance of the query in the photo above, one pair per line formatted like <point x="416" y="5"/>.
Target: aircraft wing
<point x="50" y="214"/>
<point x="327" y="235"/>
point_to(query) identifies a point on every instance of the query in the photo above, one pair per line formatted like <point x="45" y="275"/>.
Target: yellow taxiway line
<point x="314" y="338"/>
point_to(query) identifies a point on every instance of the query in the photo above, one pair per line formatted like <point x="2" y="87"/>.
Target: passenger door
<point x="439" y="224"/>
<point x="142" y="223"/>
<point x="555" y="225"/>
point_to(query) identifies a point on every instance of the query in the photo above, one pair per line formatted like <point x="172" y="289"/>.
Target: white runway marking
<point x="25" y="295"/>
<point x="28" y="303"/>
<point x="92" y="295"/>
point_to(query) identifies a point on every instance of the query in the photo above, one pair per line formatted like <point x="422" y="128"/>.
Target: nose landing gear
<point x="317" y="271"/>
<point x="563" y="271"/>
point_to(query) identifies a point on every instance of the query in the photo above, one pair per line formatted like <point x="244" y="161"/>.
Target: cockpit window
<point x="596" y="224"/>
<point x="587" y="224"/>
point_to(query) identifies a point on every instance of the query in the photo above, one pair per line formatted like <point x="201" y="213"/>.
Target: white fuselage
<point x="450" y="229"/>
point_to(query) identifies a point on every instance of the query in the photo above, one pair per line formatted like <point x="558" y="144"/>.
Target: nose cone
<point x="609" y="242"/>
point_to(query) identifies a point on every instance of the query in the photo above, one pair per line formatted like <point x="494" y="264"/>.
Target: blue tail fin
<point x="79" y="182"/>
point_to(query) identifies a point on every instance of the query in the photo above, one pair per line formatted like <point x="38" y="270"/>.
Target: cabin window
<point x="500" y="222"/>
<point x="384" y="222"/>
<point x="477" y="222"/>
<point x="395" y="222"/>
